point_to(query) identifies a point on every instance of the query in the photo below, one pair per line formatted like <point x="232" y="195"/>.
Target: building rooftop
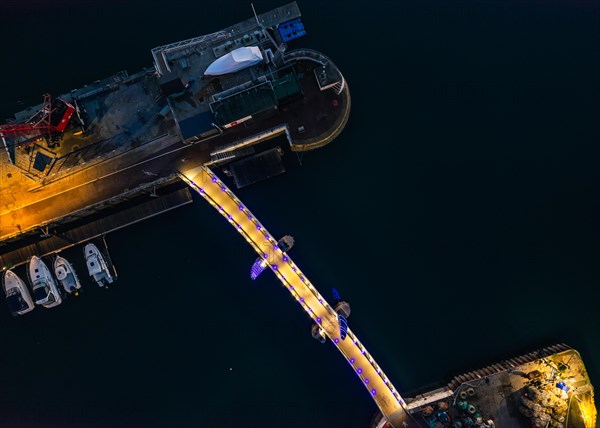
<point x="189" y="59"/>
<point x="175" y="57"/>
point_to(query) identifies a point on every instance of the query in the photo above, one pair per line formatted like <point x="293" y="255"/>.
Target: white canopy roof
<point x="235" y="60"/>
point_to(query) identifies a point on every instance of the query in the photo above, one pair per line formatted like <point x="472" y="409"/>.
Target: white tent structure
<point x="235" y="60"/>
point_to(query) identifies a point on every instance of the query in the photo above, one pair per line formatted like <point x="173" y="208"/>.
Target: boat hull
<point x="45" y="290"/>
<point x="66" y="276"/>
<point x="97" y="266"/>
<point x="17" y="295"/>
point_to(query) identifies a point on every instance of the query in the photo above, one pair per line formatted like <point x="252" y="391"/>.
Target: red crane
<point x="52" y="118"/>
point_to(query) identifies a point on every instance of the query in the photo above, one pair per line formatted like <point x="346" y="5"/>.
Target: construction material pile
<point x="544" y="407"/>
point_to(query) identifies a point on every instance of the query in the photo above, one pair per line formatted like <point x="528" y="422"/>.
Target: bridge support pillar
<point x="402" y="419"/>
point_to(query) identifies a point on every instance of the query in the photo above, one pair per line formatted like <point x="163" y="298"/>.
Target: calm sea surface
<point x="458" y="213"/>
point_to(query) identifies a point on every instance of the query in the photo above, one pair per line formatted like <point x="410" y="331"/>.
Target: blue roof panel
<point x="291" y="30"/>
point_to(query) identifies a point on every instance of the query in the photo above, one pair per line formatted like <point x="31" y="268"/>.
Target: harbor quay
<point x="549" y="387"/>
<point x="128" y="135"/>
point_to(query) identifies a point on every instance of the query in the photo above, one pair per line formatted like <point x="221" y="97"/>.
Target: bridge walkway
<point x="380" y="388"/>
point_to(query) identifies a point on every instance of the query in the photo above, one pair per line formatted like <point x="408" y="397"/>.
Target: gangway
<point x="380" y="388"/>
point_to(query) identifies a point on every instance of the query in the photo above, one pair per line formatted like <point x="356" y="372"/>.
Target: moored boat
<point x="65" y="273"/>
<point x="45" y="291"/>
<point x="17" y="295"/>
<point x="97" y="266"/>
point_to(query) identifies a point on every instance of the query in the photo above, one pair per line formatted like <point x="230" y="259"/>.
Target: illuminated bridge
<point x="380" y="388"/>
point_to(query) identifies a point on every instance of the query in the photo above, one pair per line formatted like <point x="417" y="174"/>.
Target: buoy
<point x="471" y="409"/>
<point x="470" y="392"/>
<point x="463" y="395"/>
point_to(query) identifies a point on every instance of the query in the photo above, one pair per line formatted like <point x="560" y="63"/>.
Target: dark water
<point x="458" y="213"/>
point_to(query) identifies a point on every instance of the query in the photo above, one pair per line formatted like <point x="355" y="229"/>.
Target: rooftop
<point x="189" y="59"/>
<point x="175" y="57"/>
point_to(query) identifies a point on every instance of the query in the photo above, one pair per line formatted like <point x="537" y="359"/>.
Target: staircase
<point x="231" y="154"/>
<point x="339" y="86"/>
<point x="222" y="156"/>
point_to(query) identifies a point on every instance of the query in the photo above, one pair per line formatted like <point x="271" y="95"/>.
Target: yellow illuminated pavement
<point x="210" y="187"/>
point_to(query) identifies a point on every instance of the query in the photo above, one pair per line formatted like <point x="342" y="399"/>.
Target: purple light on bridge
<point x="250" y="217"/>
<point x="336" y="340"/>
<point x="359" y="370"/>
<point x="276" y="246"/>
<point x="214" y="179"/>
<point x="267" y="237"/>
<point x="223" y="188"/>
<point x="319" y="320"/>
<point x="362" y="352"/>
<point x="301" y="278"/>
<point x="274" y="267"/>
<point x="291" y="287"/>
<point x="265" y="256"/>
<point x="221" y="208"/>
<point x="373" y="391"/>
<point x="239" y="226"/>
<point x="366" y="381"/>
<point x="302" y="299"/>
<point x="352" y="360"/>
<point x="385" y="381"/>
<point x="241" y="208"/>
<point x="230" y="217"/>
<point x="258" y="227"/>
<point x="294" y="269"/>
<point x="201" y="190"/>
<point x="321" y="301"/>
<point x="285" y="259"/>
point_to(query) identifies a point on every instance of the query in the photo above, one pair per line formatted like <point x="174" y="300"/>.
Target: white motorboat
<point x="17" y="295"/>
<point x="66" y="275"/>
<point x="45" y="291"/>
<point x="236" y="60"/>
<point x="97" y="266"/>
